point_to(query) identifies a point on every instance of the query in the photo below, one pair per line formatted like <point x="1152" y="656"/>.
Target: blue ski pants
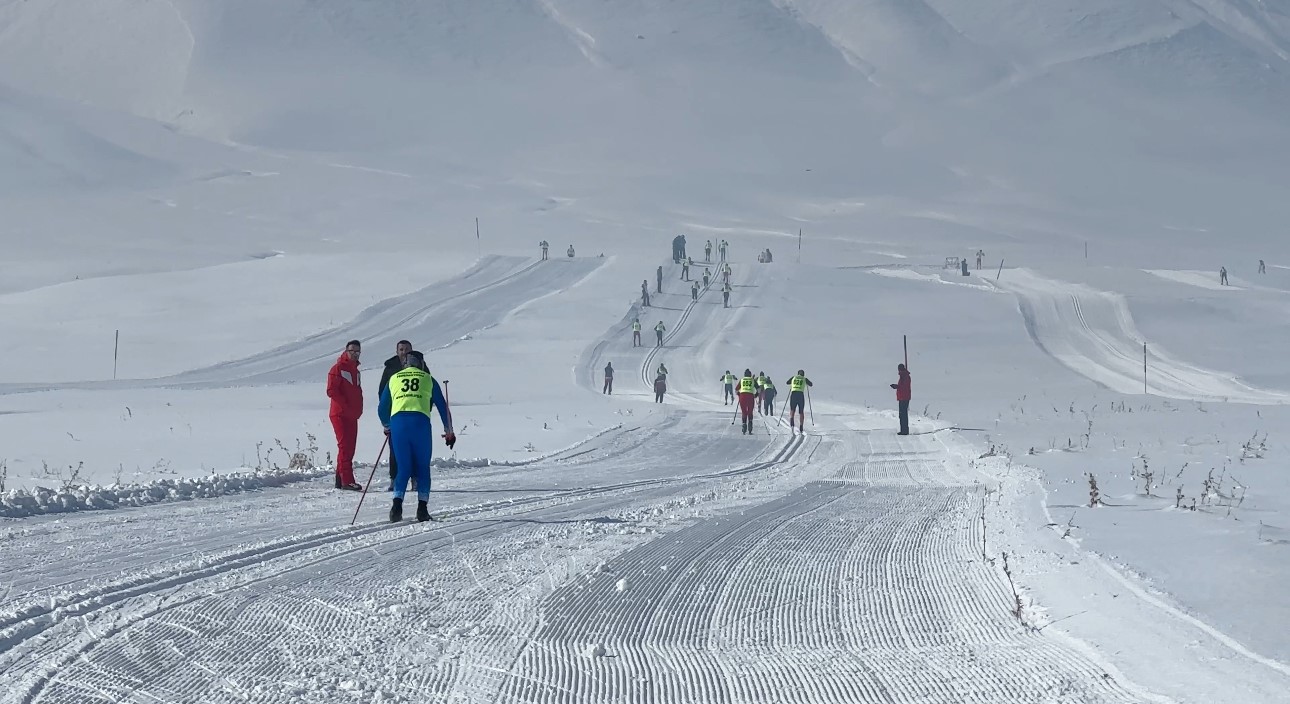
<point x="411" y="445"/>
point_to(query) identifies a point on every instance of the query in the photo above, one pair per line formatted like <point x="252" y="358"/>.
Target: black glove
<point x="450" y="439"/>
<point x="893" y="386"/>
<point x="387" y="432"/>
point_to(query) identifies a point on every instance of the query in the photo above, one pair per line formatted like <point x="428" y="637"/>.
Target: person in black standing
<point x="609" y="378"/>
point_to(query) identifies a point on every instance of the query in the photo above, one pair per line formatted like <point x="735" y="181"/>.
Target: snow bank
<point x="22" y="503"/>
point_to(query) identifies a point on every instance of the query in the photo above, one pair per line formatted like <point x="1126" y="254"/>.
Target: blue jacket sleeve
<point x="383" y="409"/>
<point x="442" y="405"/>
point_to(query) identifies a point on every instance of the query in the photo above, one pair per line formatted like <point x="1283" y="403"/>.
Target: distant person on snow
<point x="769" y="258"/>
<point x="570" y="251"/>
<point x="722" y="249"/>
<point x="694" y="291"/>
<point x="725" y="295"/>
<point x="636" y="332"/>
<point x="662" y="370"/>
<point x="609" y="378"/>
<point x="544" y="245"/>
<point x="707" y="252"/>
<point x="659" y="276"/>
<point x="658" y="332"/>
<point x="1262" y="268"/>
<point x="747" y="396"/>
<point x="405" y="412"/>
<point x="761" y="386"/>
<point x="660" y="388"/>
<point x="797" y="386"/>
<point x="728" y="381"/>
<point x="707" y="276"/>
<point x="980" y="255"/>
<point x="644" y="293"/>
<point x="902" y="397"/>
<point x="394" y="365"/>
<point x="345" y="390"/>
<point x="1222" y="275"/>
<point x="685" y="269"/>
<point x="963" y="266"/>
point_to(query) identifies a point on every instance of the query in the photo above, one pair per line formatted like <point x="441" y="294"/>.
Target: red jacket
<point x="902" y="387"/>
<point x="344" y="389"/>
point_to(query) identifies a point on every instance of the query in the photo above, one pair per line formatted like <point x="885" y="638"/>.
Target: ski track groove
<point x="846" y="590"/>
<point x="25" y="627"/>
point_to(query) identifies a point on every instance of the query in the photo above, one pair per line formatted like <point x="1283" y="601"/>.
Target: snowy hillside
<point x="203" y="202"/>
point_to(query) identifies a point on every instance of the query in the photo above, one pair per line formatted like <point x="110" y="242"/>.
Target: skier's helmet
<point x="415" y="359"/>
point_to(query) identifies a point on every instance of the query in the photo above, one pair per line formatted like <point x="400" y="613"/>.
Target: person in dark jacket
<point x="393" y="366"/>
<point x="902" y="397"/>
<point x="609" y="379"/>
<point x="660" y="388"/>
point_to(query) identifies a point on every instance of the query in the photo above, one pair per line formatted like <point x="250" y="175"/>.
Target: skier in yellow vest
<point x="636" y="332"/>
<point x="747" y="396"/>
<point x="728" y="380"/>
<point x="405" y="413"/>
<point x="797" y="399"/>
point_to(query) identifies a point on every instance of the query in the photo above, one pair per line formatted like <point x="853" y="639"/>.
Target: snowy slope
<point x="239" y="187"/>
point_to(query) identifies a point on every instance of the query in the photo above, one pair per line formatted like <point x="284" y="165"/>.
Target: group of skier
<point x="407" y="393"/>
<point x="759" y="392"/>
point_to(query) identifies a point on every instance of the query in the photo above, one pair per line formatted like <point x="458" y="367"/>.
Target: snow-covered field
<point x="204" y="201"/>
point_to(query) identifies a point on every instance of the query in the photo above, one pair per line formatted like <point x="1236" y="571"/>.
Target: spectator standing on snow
<point x="405" y="412"/>
<point x="394" y="365"/>
<point x="345" y="390"/>
<point x="980" y="256"/>
<point x="769" y="258"/>
<point x="1222" y="275"/>
<point x="659" y="276"/>
<point x="728" y="381"/>
<point x="1262" y="268"/>
<point x="660" y="388"/>
<point x="658" y="332"/>
<point x="747" y="396"/>
<point x="570" y="251"/>
<point x="644" y="293"/>
<point x="609" y="378"/>
<point x="797" y="386"/>
<point x="544" y="245"/>
<point x="636" y="332"/>
<point x="902" y="387"/>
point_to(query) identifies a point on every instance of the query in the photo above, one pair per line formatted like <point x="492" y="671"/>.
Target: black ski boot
<point x="337" y="481"/>
<point x="396" y="511"/>
<point x="423" y="513"/>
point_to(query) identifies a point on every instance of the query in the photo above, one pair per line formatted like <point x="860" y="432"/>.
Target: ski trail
<point x="1092" y="332"/>
<point x="845" y="590"/>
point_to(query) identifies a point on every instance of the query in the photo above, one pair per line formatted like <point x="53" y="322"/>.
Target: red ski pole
<point x="369" y="479"/>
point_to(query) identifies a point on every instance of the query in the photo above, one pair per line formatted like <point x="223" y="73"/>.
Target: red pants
<point x="346" y="438"/>
<point x="746" y="405"/>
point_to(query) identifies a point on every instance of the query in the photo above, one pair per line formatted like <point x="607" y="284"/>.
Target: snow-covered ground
<point x="204" y="201"/>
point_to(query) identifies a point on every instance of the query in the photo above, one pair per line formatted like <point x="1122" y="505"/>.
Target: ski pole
<point x="369" y="479"/>
<point x="808" y="405"/>
<point x="736" y="413"/>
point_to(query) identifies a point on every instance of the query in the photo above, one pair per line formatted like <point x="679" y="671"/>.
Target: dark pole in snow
<point x="1144" y="369"/>
<point x="996" y="276"/>
<point x="116" y="350"/>
<point x="905" y="339"/>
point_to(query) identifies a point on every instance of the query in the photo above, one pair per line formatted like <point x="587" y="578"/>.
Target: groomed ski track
<point x="672" y="560"/>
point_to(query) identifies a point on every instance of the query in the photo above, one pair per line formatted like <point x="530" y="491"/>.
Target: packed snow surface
<point x="204" y="201"/>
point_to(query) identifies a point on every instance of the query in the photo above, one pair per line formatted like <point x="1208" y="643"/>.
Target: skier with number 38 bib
<point x="405" y="413"/>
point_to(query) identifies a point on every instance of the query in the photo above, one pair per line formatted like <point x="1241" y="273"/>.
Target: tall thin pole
<point x="799" y="245"/>
<point x="996" y="276"/>
<point x="905" y="339"/>
<point x="478" y="244"/>
<point x="1144" y="368"/>
<point x="116" y="351"/>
